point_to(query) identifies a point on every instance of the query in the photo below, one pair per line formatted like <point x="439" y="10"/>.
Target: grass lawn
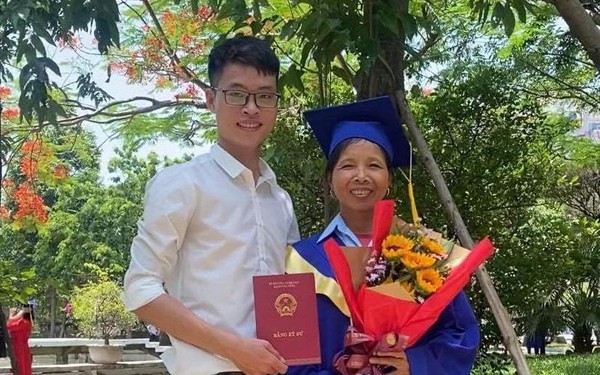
<point x="581" y="364"/>
<point x="588" y="364"/>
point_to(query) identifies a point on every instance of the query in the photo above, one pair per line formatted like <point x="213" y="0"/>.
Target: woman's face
<point x="360" y="177"/>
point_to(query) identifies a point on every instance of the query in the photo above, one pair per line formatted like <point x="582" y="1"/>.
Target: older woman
<point x="362" y="142"/>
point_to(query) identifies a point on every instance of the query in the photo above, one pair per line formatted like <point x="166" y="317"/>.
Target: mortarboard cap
<point x="375" y="120"/>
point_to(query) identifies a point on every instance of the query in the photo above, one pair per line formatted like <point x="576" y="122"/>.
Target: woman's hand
<point x="394" y="359"/>
<point x="14" y="314"/>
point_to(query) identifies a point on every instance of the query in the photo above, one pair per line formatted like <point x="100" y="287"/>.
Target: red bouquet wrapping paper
<point x="379" y="310"/>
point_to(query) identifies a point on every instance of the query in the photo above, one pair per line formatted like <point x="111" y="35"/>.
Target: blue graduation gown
<point x="448" y="348"/>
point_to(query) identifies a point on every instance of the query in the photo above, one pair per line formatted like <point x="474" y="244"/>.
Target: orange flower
<point x="417" y="261"/>
<point x="428" y="281"/>
<point x="432" y="246"/>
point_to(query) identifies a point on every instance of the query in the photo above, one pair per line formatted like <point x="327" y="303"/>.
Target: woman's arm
<point x="450" y="345"/>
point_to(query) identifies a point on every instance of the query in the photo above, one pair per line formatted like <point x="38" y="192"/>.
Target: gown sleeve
<point x="450" y="345"/>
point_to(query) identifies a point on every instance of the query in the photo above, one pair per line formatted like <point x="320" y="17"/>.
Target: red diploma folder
<point x="286" y="316"/>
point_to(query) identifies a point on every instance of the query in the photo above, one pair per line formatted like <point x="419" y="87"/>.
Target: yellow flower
<point x="432" y="246"/>
<point x="417" y="261"/>
<point x="428" y="281"/>
<point x="396" y="244"/>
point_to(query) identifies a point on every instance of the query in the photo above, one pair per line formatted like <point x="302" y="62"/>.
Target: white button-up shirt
<point x="207" y="228"/>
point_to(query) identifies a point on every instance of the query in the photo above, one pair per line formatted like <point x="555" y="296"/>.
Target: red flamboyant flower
<point x="69" y="41"/>
<point x="4" y="92"/>
<point x="205" y="12"/>
<point x="185" y="39"/>
<point x="29" y="205"/>
<point x="191" y="90"/>
<point x="60" y="172"/>
<point x="10" y="113"/>
<point x="29" y="168"/>
<point x="34" y="155"/>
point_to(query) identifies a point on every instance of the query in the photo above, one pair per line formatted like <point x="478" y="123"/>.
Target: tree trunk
<point x="508" y="333"/>
<point x="387" y="73"/>
<point x="582" y="27"/>
<point x="582" y="340"/>
<point x="9" y="347"/>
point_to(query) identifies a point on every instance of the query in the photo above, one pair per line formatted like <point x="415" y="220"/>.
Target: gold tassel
<point x="413" y="204"/>
<point x="411" y="193"/>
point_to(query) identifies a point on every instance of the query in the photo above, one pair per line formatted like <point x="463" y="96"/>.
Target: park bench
<point x="61" y="348"/>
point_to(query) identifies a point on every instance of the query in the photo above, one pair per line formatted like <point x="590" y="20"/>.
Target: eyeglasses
<point x="240" y="98"/>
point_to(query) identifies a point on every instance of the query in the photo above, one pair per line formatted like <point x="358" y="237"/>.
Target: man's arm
<point x="251" y="356"/>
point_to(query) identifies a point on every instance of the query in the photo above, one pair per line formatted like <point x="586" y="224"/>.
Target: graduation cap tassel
<point x="413" y="204"/>
<point x="411" y="194"/>
<point x="502" y="318"/>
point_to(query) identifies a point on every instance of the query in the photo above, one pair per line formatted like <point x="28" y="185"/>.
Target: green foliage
<point x="299" y="170"/>
<point x="87" y="88"/>
<point x="100" y="311"/>
<point x="15" y="286"/>
<point x="501" y="156"/>
<point x="502" y="12"/>
<point x="584" y="153"/>
<point x="493" y="364"/>
<point x="26" y="25"/>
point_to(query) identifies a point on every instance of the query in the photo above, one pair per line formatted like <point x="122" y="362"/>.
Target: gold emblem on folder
<point x="286" y="304"/>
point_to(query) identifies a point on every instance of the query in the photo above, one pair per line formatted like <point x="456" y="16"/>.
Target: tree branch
<point x="110" y="117"/>
<point x="189" y="74"/>
<point x="561" y="82"/>
<point x="345" y="67"/>
<point x="431" y="40"/>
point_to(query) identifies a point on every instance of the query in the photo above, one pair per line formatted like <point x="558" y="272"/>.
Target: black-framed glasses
<point x="240" y="98"/>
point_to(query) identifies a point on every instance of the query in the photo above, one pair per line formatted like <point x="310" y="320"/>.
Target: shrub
<point x="100" y="311"/>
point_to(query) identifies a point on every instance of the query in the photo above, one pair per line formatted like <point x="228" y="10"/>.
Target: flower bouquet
<point x="411" y="275"/>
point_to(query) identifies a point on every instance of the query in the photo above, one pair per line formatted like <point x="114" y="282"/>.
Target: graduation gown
<point x="19" y="331"/>
<point x="448" y="348"/>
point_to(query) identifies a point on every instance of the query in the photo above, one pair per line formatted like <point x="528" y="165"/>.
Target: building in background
<point x="590" y="126"/>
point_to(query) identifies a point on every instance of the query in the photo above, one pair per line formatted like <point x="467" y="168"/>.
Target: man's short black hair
<point x="242" y="50"/>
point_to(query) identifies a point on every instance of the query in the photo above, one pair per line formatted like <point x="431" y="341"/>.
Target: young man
<point x="212" y="223"/>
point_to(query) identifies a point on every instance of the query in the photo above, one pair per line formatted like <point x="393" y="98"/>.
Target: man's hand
<point x="257" y="357"/>
<point x="395" y="359"/>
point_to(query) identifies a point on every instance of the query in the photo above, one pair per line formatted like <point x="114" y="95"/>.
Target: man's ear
<point x="210" y="94"/>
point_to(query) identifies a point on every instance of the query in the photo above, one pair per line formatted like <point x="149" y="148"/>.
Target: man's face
<point x="242" y="128"/>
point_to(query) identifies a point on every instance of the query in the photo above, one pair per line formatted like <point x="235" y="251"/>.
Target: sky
<point x="88" y="59"/>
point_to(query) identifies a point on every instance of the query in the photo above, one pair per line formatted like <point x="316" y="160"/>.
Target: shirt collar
<point x="338" y="227"/>
<point x="234" y="168"/>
